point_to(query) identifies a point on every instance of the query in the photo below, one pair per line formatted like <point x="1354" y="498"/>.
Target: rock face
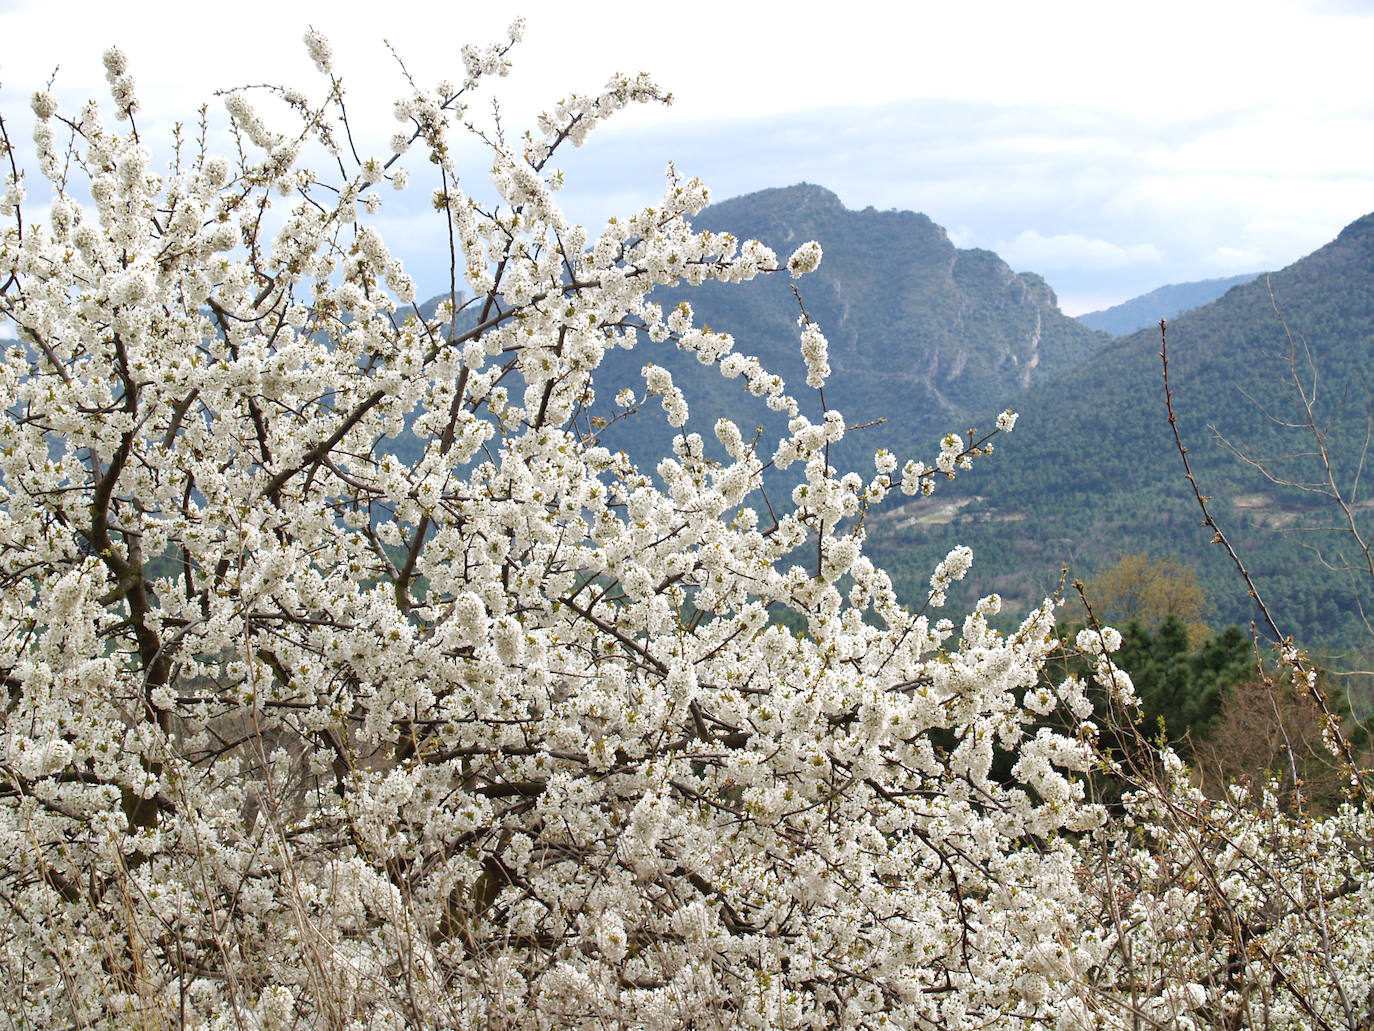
<point x="922" y="334"/>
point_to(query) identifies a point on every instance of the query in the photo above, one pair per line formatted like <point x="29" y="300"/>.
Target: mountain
<point x="932" y="338"/>
<point x="1163" y="303"/>
<point x="1092" y="470"/>
<point x="921" y="333"/>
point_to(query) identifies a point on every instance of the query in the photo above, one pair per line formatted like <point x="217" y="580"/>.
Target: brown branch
<point x="1338" y="741"/>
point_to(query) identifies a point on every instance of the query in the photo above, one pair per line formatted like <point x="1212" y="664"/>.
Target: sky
<point x="1110" y="147"/>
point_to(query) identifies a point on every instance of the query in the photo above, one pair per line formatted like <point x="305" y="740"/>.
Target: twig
<point x="1305" y="673"/>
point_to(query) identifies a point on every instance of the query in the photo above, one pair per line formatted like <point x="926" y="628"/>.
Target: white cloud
<point x="1030" y="250"/>
<point x="962" y="236"/>
<point x="1208" y="170"/>
<point x="1080" y="304"/>
<point x="1235" y="259"/>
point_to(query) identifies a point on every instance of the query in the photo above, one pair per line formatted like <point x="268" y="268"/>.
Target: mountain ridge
<point x="928" y="338"/>
<point x="1093" y="471"/>
<point x="1165" y="302"/>
<point x="906" y="314"/>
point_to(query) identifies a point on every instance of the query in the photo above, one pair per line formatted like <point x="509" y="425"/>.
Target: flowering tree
<point x="513" y="734"/>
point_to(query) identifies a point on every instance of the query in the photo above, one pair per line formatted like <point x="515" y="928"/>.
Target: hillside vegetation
<point x="1096" y="472"/>
<point x="945" y="338"/>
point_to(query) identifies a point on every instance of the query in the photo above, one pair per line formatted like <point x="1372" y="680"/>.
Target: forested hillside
<point x="1093" y="471"/>
<point x="942" y="339"/>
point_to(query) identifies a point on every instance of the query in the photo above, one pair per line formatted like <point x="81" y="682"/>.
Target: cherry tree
<point x="511" y="731"/>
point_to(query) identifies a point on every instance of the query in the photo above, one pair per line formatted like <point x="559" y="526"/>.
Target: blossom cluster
<point x="353" y="681"/>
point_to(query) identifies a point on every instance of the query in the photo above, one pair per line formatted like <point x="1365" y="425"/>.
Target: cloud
<point x="962" y="236"/>
<point x="1124" y="194"/>
<point x="1030" y="250"/>
<point x="1344" y="8"/>
<point x="1235" y="259"/>
<point x="1120" y="204"/>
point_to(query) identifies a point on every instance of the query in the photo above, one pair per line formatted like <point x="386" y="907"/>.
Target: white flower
<point x="816" y="353"/>
<point x="320" y="51"/>
<point x="510" y="726"/>
<point x="658" y="379"/>
<point x="952" y="568"/>
<point x="116" y="64"/>
<point x="804" y="259"/>
<point x="44" y="105"/>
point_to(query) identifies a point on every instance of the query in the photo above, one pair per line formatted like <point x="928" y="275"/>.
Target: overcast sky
<point x="1110" y="147"/>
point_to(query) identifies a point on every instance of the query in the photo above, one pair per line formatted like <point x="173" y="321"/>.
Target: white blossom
<point x="320" y="51"/>
<point x="806" y="258"/>
<point x="514" y="732"/>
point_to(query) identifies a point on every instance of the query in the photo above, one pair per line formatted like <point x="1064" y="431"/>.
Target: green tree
<point x="1181" y="687"/>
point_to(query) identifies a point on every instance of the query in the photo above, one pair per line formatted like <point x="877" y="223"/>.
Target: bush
<point x="513" y="733"/>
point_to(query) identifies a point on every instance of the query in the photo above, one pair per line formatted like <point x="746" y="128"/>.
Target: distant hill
<point x="1092" y="472"/>
<point x="921" y="333"/>
<point x="1163" y="303"/>
<point x="932" y="338"/>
